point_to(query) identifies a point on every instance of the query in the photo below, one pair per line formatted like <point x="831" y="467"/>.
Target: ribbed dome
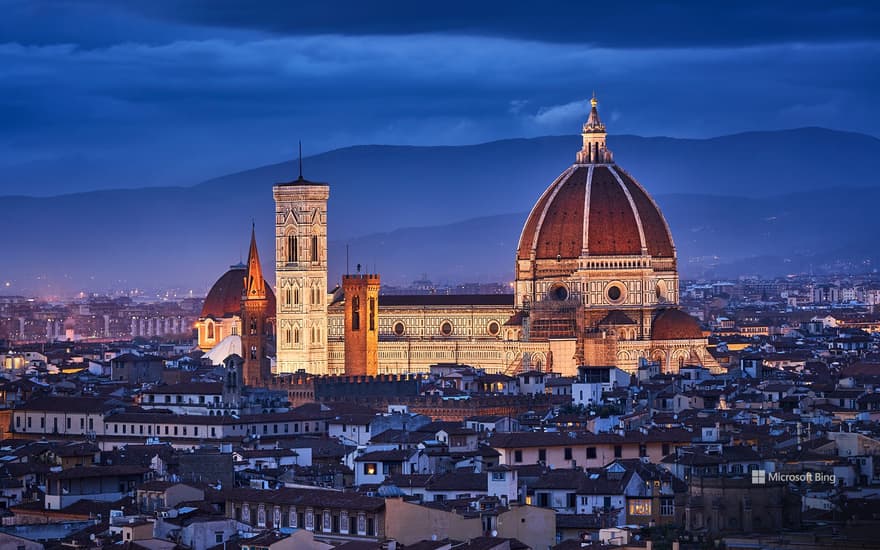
<point x="224" y="298"/>
<point x="595" y="210"/>
<point x="674" y="324"/>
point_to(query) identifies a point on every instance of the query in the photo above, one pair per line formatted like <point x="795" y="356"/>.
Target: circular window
<point x="493" y="329"/>
<point x="446" y="328"/>
<point x="615" y="293"/>
<point x="559" y="293"/>
<point x="398" y="328"/>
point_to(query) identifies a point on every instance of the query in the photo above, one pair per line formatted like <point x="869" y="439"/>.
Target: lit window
<point x="640" y="507"/>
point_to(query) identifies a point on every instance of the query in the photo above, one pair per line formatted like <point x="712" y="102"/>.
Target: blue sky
<point x="98" y="94"/>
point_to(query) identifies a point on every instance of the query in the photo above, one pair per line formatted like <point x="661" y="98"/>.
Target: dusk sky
<point x="97" y="94"/>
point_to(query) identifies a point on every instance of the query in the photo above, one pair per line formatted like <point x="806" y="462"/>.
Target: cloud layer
<point x="155" y="94"/>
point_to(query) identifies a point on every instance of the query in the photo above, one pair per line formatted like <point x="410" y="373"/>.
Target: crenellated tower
<point x="301" y="275"/>
<point x="361" y="324"/>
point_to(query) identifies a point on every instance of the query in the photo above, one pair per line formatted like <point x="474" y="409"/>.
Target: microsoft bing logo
<point x="759" y="477"/>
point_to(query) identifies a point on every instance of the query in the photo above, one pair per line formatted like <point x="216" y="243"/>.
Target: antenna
<point x="300" y="160"/>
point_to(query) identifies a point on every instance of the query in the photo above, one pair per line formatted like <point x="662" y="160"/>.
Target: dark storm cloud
<point x="642" y="23"/>
<point x="146" y="93"/>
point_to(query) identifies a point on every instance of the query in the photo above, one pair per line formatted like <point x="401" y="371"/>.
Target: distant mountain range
<point x="762" y="202"/>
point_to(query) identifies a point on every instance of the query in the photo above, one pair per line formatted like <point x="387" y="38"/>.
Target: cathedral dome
<point x="594" y="208"/>
<point x="224" y="298"/>
<point x="674" y="324"/>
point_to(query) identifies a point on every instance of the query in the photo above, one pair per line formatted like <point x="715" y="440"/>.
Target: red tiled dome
<point x="674" y="324"/>
<point x="595" y="209"/>
<point x="224" y="298"/>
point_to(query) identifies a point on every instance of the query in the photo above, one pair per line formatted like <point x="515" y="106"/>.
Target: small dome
<point x="224" y="298"/>
<point x="674" y="324"/>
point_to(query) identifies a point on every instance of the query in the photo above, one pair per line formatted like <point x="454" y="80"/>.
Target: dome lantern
<point x="594" y="150"/>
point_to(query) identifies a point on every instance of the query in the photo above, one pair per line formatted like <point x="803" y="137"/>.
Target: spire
<point x="594" y="150"/>
<point x="300" y="160"/>
<point x="254" y="284"/>
<point x="594" y="124"/>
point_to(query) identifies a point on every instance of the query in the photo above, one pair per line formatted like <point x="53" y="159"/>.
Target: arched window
<point x="292" y="248"/>
<point x="210" y="330"/>
<point x="296" y="296"/>
<point x="314" y="248"/>
<point x="372" y="314"/>
<point x="253" y="326"/>
<point x="288" y="336"/>
<point x="296" y="335"/>
<point x="355" y="313"/>
<point x="253" y="352"/>
<point x="288" y="296"/>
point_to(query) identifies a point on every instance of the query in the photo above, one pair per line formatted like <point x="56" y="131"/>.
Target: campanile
<point x="301" y="275"/>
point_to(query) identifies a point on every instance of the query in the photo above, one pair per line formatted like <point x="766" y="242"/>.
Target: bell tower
<point x="301" y="275"/>
<point x="255" y="329"/>
<point x="361" y="324"/>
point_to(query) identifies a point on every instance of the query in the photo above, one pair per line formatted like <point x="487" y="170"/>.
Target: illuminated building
<point x="301" y="274"/>
<point x="596" y="284"/>
<point x="596" y="263"/>
<point x="238" y="317"/>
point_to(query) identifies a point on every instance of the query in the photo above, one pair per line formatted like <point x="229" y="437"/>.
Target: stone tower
<point x="361" y="324"/>
<point x="255" y="328"/>
<point x="301" y="275"/>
